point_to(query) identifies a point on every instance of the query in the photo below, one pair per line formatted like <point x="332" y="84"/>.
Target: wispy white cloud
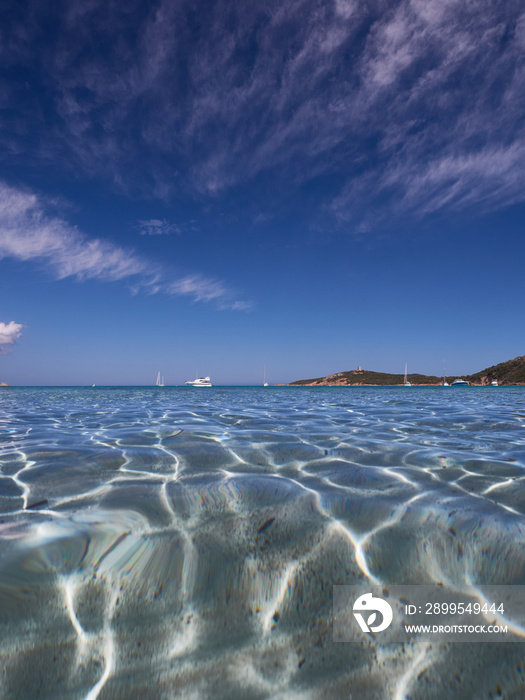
<point x="199" y="287"/>
<point x="28" y="233"/>
<point x="443" y="87"/>
<point x="490" y="176"/>
<point x="9" y="333"/>
<point x="157" y="227"/>
<point x="184" y="96"/>
<point x="239" y="306"/>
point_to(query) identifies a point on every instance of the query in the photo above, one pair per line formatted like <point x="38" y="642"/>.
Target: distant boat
<point x="160" y="380"/>
<point x="494" y="383"/>
<point x="203" y="381"/>
<point x="265" y="383"/>
<point x="406" y="382"/>
<point x="460" y="382"/>
<point x="445" y="383"/>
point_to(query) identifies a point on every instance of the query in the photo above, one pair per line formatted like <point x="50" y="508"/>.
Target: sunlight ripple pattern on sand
<point x="177" y="543"/>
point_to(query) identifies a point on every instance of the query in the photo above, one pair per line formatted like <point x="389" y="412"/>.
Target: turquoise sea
<point x="184" y="543"/>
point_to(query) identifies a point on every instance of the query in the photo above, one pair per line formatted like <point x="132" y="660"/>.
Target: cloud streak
<point x="29" y="234"/>
<point x="157" y="227"/>
<point x="388" y="96"/>
<point x="9" y="334"/>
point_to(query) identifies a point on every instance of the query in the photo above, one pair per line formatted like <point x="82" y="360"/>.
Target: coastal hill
<point x="510" y="372"/>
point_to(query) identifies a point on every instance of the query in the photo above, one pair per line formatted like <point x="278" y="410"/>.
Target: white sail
<point x="160" y="380"/>
<point x="445" y="383"/>
<point x="406" y="382"/>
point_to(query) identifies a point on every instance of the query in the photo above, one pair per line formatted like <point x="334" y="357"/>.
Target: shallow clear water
<point x="183" y="543"/>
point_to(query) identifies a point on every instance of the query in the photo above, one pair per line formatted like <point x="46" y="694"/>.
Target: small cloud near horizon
<point x="9" y="334"/>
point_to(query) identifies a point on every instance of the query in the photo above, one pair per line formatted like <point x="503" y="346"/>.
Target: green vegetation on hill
<point x="356" y="377"/>
<point x="511" y="372"/>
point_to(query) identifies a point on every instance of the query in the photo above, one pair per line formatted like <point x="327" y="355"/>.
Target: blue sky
<point x="214" y="187"/>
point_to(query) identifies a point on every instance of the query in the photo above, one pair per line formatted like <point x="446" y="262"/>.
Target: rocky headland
<point x="510" y="373"/>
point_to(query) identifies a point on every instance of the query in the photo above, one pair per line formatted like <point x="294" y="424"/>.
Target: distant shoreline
<point x="250" y="386"/>
<point x="510" y="373"/>
<point x="390" y="386"/>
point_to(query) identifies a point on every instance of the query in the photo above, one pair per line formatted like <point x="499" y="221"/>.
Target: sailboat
<point x="445" y="383"/>
<point x="265" y="383"/>
<point x="160" y="380"/>
<point x="406" y="382"/>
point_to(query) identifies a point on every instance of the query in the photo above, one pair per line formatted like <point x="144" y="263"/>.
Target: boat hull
<point x="203" y="381"/>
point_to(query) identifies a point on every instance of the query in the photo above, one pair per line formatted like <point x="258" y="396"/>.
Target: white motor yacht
<point x="460" y="382"/>
<point x="494" y="383"/>
<point x="203" y="381"/>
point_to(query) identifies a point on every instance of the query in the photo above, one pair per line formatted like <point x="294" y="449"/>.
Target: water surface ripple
<point x="183" y="543"/>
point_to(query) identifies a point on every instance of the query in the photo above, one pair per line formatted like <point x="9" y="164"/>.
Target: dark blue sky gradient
<point x="214" y="187"/>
